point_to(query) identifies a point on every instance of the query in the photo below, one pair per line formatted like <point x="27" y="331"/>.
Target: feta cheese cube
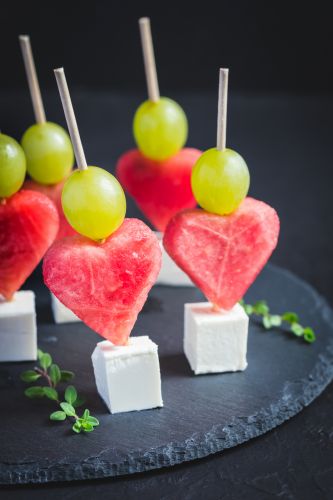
<point x="170" y="273"/>
<point x="18" y="332"/>
<point x="128" y="377"/>
<point x="61" y="313"/>
<point x="215" y="341"/>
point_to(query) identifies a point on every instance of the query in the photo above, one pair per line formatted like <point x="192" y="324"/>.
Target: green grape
<point x="12" y="166"/>
<point x="160" y="128"/>
<point x="94" y="202"/>
<point x="220" y="180"/>
<point x="49" y="152"/>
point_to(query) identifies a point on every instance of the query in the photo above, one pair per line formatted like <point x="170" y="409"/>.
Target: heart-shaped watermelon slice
<point x="223" y="254"/>
<point x="160" y="189"/>
<point x="28" y="226"/>
<point x="54" y="193"/>
<point x="105" y="285"/>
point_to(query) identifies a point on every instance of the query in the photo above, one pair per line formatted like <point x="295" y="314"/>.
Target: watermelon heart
<point x="223" y="254"/>
<point x="160" y="189"/>
<point x="28" y="226"/>
<point x="54" y="193"/>
<point x="105" y="285"/>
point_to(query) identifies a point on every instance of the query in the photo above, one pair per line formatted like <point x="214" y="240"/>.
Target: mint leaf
<point x="30" y="376"/>
<point x="261" y="308"/>
<point x="70" y="394"/>
<point x="290" y="317"/>
<point x="79" y="402"/>
<point x="297" y="329"/>
<point x="45" y="361"/>
<point x="77" y="427"/>
<point x="51" y="393"/>
<point x="93" y="421"/>
<point x="68" y="409"/>
<point x="39" y="354"/>
<point x="276" y="320"/>
<point x="58" y="415"/>
<point x="34" y="392"/>
<point x="55" y="374"/>
<point x="309" y="335"/>
<point x="66" y="375"/>
<point x="266" y="321"/>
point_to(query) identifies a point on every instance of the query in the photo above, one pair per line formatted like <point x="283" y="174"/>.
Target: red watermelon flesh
<point x="105" y="285"/>
<point x="160" y="189"/>
<point x="223" y="254"/>
<point x="54" y="193"/>
<point x="28" y="226"/>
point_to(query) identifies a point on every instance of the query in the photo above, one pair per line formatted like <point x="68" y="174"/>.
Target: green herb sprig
<point x="269" y="320"/>
<point x="53" y="375"/>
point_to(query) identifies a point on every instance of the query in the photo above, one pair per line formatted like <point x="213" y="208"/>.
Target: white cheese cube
<point x="61" y="313"/>
<point x="215" y="341"/>
<point x="18" y="332"/>
<point x="128" y="377"/>
<point x="170" y="273"/>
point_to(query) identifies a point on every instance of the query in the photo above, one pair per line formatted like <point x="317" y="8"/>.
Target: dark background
<point x="268" y="45"/>
<point x="279" y="118"/>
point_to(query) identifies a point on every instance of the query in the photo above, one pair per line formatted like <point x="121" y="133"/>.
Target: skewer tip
<point x="24" y="38"/>
<point x="144" y="20"/>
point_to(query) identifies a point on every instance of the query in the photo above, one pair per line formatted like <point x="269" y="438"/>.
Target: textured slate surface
<point x="202" y="415"/>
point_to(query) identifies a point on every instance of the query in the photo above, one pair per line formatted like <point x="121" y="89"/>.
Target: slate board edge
<point x="217" y="439"/>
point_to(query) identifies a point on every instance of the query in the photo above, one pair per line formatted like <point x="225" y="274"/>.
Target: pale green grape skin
<point x="49" y="153"/>
<point x="220" y="181"/>
<point x="160" y="128"/>
<point x="12" y="166"/>
<point x="93" y="202"/>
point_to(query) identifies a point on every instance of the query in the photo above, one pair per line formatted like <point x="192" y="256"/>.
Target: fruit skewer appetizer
<point x="50" y="159"/>
<point x="158" y="174"/>
<point x="222" y="247"/>
<point x="47" y="146"/>
<point x="104" y="275"/>
<point x="28" y="225"/>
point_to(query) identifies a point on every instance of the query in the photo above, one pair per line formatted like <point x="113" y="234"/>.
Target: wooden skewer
<point x="149" y="59"/>
<point x="222" y="110"/>
<point x="70" y="118"/>
<point x="30" y="70"/>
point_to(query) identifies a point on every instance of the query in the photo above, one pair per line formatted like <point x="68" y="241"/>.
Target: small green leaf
<point x="276" y="320"/>
<point x="68" y="409"/>
<point x="261" y="308"/>
<point x="58" y="415"/>
<point x="77" y="427"/>
<point x="290" y="317"/>
<point x="70" y="394"/>
<point x="86" y="414"/>
<point x="79" y="402"/>
<point x="297" y="329"/>
<point x="93" y="421"/>
<point x="86" y="426"/>
<point x="55" y="374"/>
<point x="45" y="361"/>
<point x="30" y="376"/>
<point x="66" y="375"/>
<point x="266" y="321"/>
<point x="51" y="393"/>
<point x="309" y="335"/>
<point x="242" y="302"/>
<point x="34" y="392"/>
<point x="39" y="354"/>
<point x="248" y="309"/>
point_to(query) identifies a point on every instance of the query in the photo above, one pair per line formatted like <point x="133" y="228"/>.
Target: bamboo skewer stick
<point x="222" y="110"/>
<point x="70" y="118"/>
<point x="31" y="73"/>
<point x="149" y="59"/>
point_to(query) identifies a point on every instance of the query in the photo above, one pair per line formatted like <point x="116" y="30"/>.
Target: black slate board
<point x="202" y="414"/>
